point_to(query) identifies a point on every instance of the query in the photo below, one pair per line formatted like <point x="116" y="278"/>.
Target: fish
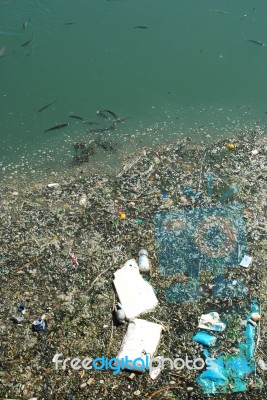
<point x="91" y="122"/>
<point x="121" y="120"/>
<point x="100" y="130"/>
<point x="255" y="42"/>
<point x="46" y="106"/>
<point x="2" y="50"/>
<point x="140" y="27"/>
<point x="220" y="11"/>
<point x="56" y="127"/>
<point x="68" y="23"/>
<point x="76" y="117"/>
<point x="26" y="23"/>
<point x="28" y="42"/>
<point x="103" y="115"/>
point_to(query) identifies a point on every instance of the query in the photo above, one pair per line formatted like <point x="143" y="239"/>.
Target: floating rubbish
<point x="17" y="319"/>
<point x="21" y="308"/>
<point x="39" y="324"/>
<point x="262" y="365"/>
<point x="139" y="221"/>
<point x="73" y="258"/>
<point x="53" y="185"/>
<point x="122" y="216"/>
<point x="143" y="261"/>
<point x="164" y="196"/>
<point x="83" y="200"/>
<point x="255" y="316"/>
<point x="204" y="338"/>
<point x="136" y="295"/>
<point x="230" y="372"/>
<point x="140" y="342"/>
<point x="119" y="313"/>
<point x="253" y="323"/>
<point x="245" y="262"/>
<point x="230" y="146"/>
<point x="211" y="322"/>
<point x="254" y="152"/>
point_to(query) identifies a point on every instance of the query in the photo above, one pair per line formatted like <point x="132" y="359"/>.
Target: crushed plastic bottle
<point x="39" y="324"/>
<point x="143" y="261"/>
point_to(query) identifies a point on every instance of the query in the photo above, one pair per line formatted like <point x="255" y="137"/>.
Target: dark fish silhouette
<point x="26" y="23"/>
<point x="91" y="122"/>
<point x="56" y="127"/>
<point x="76" y="117"/>
<point x="101" y="130"/>
<point x="256" y="42"/>
<point x="68" y="23"/>
<point x="103" y="114"/>
<point x="2" y="50"/>
<point x="121" y="120"/>
<point x="140" y="27"/>
<point x="26" y="43"/>
<point x="46" y="106"/>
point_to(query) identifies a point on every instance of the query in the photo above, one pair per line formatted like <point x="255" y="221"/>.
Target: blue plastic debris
<point x="21" y="308"/>
<point x="230" y="371"/>
<point x="204" y="338"/>
<point x="164" y="196"/>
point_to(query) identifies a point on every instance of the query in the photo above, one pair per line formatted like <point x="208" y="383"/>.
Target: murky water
<point x="175" y="68"/>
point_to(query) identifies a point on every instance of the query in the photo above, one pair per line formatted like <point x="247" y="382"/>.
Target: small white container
<point x="143" y="261"/>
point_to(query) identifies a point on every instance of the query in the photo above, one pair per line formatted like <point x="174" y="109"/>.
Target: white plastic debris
<point x="262" y="365"/>
<point x="254" y="152"/>
<point x="119" y="313"/>
<point x="245" y="262"/>
<point x="211" y="322"/>
<point x="53" y="185"/>
<point x="140" y="342"/>
<point x="143" y="261"/>
<point x="83" y="200"/>
<point x="136" y="295"/>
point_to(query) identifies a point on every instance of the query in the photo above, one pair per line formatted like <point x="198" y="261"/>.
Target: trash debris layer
<point x="40" y="226"/>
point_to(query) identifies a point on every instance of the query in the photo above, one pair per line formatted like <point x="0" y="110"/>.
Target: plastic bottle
<point x="143" y="261"/>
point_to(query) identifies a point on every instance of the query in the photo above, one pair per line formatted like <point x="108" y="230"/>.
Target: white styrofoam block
<point x="136" y="295"/>
<point x="140" y="341"/>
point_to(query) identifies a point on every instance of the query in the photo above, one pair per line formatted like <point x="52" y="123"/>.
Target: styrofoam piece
<point x="53" y="185"/>
<point x="211" y="322"/>
<point x="140" y="342"/>
<point x="245" y="262"/>
<point x="136" y="295"/>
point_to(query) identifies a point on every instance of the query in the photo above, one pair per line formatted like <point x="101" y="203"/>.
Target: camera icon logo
<point x="205" y="237"/>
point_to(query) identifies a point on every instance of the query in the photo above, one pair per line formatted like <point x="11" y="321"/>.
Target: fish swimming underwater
<point x="56" y="127"/>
